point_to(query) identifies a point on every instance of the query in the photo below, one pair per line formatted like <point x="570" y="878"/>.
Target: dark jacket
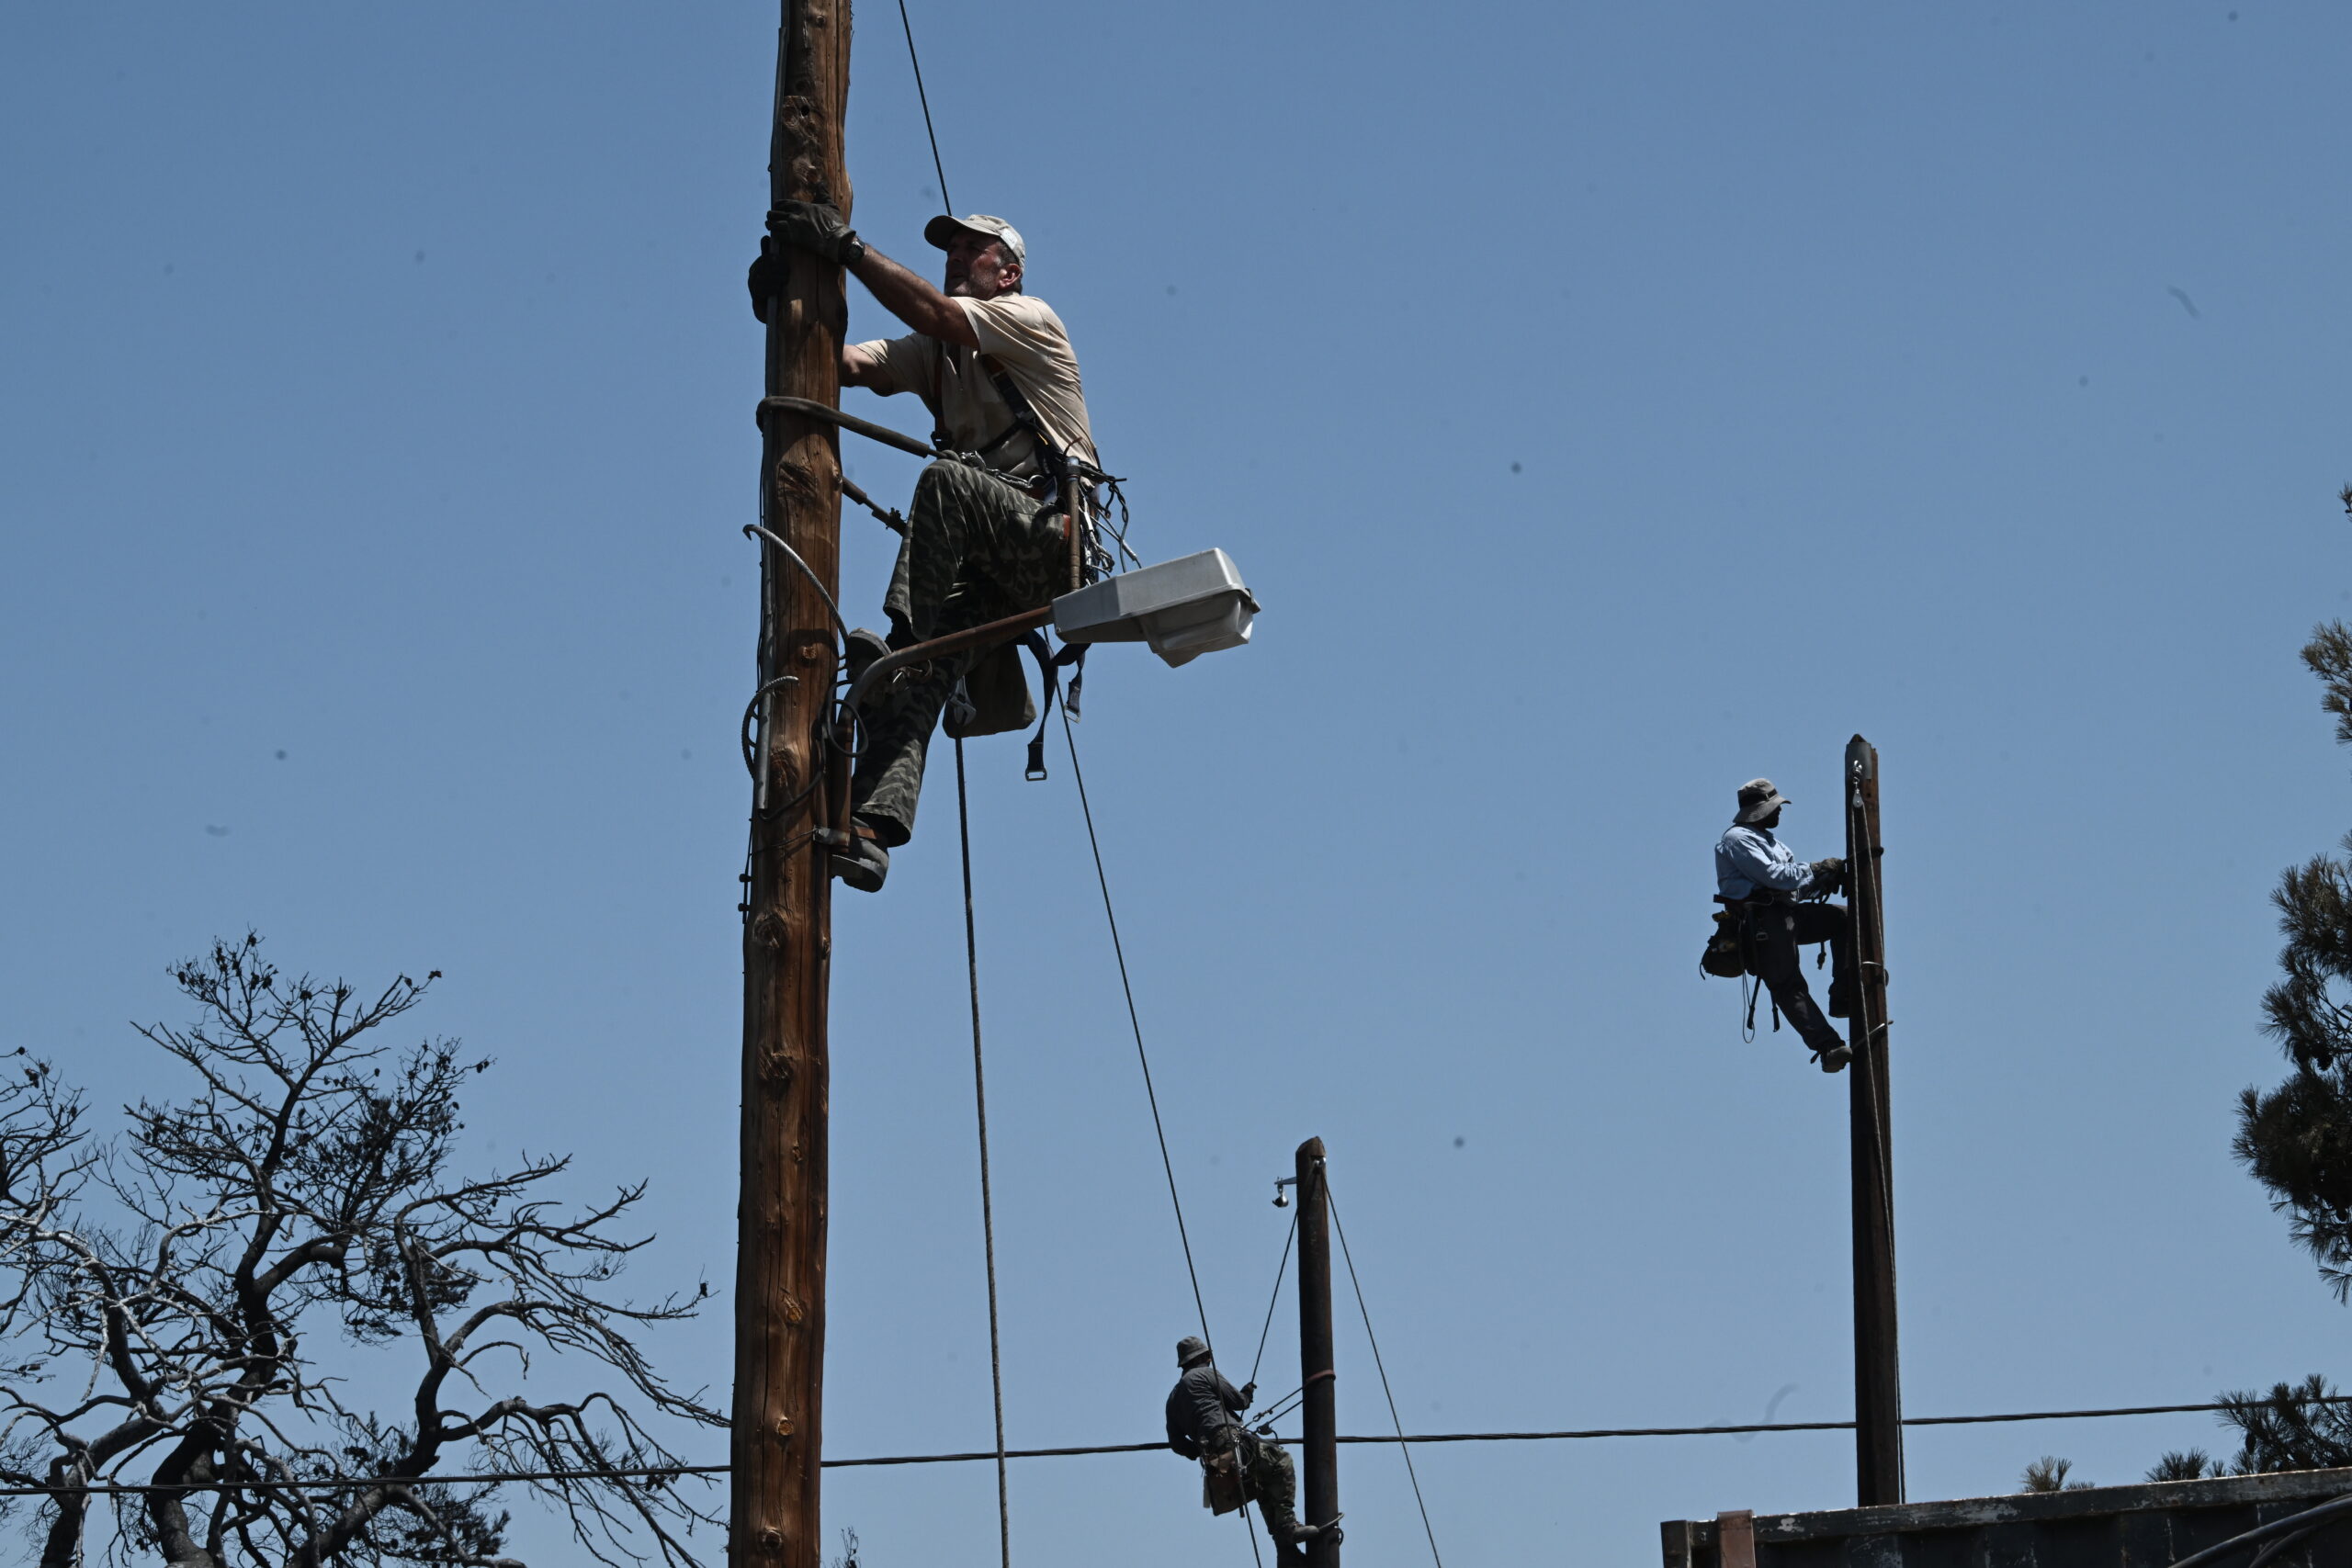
<point x="1200" y="1411"/>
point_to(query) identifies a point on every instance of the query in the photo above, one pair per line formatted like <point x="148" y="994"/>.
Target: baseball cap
<point x="941" y="229"/>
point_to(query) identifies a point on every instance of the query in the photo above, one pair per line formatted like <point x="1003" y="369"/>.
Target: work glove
<point x="1249" y="1394"/>
<point x="1828" y="876"/>
<point x="817" y="229"/>
<point x="765" y="279"/>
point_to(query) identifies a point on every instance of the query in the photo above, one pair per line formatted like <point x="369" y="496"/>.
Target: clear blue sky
<point x="1607" y="404"/>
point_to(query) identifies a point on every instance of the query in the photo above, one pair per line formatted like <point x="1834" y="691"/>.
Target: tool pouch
<point x="1726" y="956"/>
<point x="1222" y="1488"/>
<point x="998" y="691"/>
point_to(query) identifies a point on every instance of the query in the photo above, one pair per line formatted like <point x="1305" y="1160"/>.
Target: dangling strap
<point x="1072" y="654"/>
<point x="1036" y="643"/>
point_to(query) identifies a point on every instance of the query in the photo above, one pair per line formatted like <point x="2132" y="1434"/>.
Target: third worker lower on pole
<point x="1236" y="1464"/>
<point x="1782" y="903"/>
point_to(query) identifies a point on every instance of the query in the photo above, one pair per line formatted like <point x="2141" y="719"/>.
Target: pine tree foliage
<point x="2296" y="1138"/>
<point x="2049" y="1474"/>
<point x="2294" y="1427"/>
<point x="2185" y="1465"/>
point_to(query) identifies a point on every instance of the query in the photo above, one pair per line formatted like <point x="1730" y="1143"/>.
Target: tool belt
<point x="1727" y="956"/>
<point x="1225" y="1487"/>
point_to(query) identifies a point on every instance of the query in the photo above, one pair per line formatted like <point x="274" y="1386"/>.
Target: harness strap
<point x="1061" y="468"/>
<point x="1024" y="418"/>
<point x="1073" y="655"/>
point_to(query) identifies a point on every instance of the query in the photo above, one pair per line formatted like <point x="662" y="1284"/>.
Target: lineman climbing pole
<point x="1877" y="1367"/>
<point x="774" y="1446"/>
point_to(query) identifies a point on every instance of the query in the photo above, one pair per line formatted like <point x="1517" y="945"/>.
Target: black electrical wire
<point x="988" y="1208"/>
<point x="1135" y="1022"/>
<point x="2295" y="1526"/>
<point x="924" y="98"/>
<point x="762" y="530"/>
<point x="1289" y="1236"/>
<point x="1403" y="1446"/>
<point x="662" y="1471"/>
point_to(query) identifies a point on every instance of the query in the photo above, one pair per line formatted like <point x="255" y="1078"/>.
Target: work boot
<point x="1841" y="1000"/>
<point x="864" y="864"/>
<point x="860" y="648"/>
<point x="1833" y="1060"/>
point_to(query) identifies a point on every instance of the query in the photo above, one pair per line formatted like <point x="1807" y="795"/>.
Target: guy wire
<point x="988" y="1208"/>
<point x="1135" y="1022"/>
<point x="1403" y="1444"/>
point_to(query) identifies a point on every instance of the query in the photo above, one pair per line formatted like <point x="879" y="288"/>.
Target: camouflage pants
<point x="1265" y="1474"/>
<point x="979" y="547"/>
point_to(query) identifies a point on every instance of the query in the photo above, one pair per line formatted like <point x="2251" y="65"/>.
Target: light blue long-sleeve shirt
<point x="1750" y="858"/>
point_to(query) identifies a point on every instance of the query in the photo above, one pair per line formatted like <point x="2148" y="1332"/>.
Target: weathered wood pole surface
<point x="775" y="1444"/>
<point x="1878" y="1363"/>
<point x="1319" y="1443"/>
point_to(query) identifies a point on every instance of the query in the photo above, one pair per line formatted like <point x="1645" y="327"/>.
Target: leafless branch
<point x="163" y="1300"/>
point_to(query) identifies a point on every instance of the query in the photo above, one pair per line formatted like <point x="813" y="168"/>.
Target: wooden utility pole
<point x="1878" y="1364"/>
<point x="775" y="1444"/>
<point x="1318" y="1410"/>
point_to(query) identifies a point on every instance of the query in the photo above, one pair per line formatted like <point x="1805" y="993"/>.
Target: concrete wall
<point x="2149" y="1526"/>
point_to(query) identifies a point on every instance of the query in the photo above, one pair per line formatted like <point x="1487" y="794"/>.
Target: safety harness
<point x="1050" y="458"/>
<point x="1060" y="471"/>
<point x="1061" y="468"/>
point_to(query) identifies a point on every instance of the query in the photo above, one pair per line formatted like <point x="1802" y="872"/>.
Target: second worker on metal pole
<point x="985" y="531"/>
<point x="1782" y="902"/>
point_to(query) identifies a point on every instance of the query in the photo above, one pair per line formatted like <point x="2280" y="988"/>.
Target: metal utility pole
<point x="780" y="1221"/>
<point x="1319" y="1408"/>
<point x="1878" y="1365"/>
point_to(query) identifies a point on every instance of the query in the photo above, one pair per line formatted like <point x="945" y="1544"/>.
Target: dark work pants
<point x="1266" y="1474"/>
<point x="979" y="548"/>
<point x="1775" y="932"/>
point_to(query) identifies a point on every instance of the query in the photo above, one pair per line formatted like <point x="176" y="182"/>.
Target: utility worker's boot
<point x="1297" y="1538"/>
<point x="864" y="863"/>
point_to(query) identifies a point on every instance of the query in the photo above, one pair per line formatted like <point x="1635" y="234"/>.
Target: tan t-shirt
<point x="1030" y="343"/>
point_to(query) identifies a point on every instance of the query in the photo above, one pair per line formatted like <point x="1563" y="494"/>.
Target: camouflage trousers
<point x="979" y="547"/>
<point x="1263" y="1470"/>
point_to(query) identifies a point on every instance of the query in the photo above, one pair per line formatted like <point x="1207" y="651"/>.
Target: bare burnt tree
<point x="188" y="1309"/>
